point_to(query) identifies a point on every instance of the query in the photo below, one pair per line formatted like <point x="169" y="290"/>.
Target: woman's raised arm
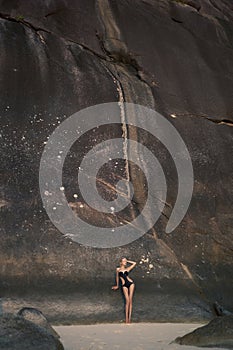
<point x="132" y="266"/>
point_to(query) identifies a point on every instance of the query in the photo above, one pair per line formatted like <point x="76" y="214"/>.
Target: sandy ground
<point x="136" y="336"/>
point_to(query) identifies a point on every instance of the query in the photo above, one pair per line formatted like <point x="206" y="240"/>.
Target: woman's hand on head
<point x="131" y="262"/>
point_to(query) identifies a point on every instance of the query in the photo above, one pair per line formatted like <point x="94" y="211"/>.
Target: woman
<point x="127" y="285"/>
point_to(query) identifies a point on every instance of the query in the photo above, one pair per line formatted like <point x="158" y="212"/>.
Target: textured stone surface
<point x="35" y="316"/>
<point x="217" y="333"/>
<point x="17" y="333"/>
<point x="174" y="56"/>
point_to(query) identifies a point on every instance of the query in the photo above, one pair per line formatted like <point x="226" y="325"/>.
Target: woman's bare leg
<point x="131" y="291"/>
<point x="125" y="290"/>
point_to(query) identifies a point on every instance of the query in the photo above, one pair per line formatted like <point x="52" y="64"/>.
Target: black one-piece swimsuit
<point x="127" y="282"/>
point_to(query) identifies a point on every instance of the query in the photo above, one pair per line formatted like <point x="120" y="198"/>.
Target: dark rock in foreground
<point x="217" y="333"/>
<point x="33" y="315"/>
<point x="16" y="333"/>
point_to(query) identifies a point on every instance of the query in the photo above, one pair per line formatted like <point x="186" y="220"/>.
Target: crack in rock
<point x="218" y="121"/>
<point x="23" y="22"/>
